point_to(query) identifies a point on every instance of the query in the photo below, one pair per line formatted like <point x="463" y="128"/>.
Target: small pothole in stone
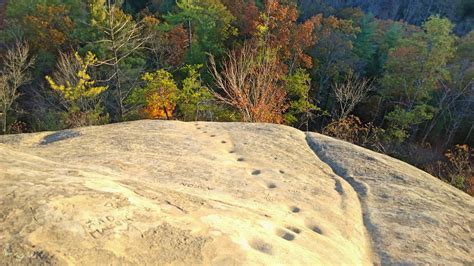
<point x="256" y="172"/>
<point x="285" y="235"/>
<point x="293" y="229"/>
<point x="271" y="185"/>
<point x="261" y="246"/>
<point x="295" y="209"/>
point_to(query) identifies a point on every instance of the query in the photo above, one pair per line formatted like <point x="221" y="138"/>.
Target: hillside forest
<point x="402" y="89"/>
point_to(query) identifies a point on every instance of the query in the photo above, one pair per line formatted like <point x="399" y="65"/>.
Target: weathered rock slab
<point x="174" y="193"/>
<point x="412" y="217"/>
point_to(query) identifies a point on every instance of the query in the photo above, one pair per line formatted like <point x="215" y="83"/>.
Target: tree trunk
<point x="190" y="37"/>
<point x="166" y="112"/>
<point x="116" y="69"/>
<point x="451" y="132"/>
<point x="468" y="134"/>
<point x="430" y="128"/>
<point x="4" y="121"/>
<point x="119" y="89"/>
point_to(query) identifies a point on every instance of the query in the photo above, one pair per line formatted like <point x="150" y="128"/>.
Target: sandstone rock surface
<point x="412" y="217"/>
<point x="155" y="192"/>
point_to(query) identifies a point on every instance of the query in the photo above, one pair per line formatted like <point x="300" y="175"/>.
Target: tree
<point x="364" y="45"/>
<point x="419" y="62"/>
<point x="277" y="27"/>
<point x="387" y="36"/>
<point x="72" y="80"/>
<point x="23" y="8"/>
<point x="166" y="43"/>
<point x="246" y="13"/>
<point x="77" y="89"/>
<point x="413" y="72"/>
<point x="13" y="75"/>
<point x="208" y="24"/>
<point x="46" y="25"/>
<point x="250" y="81"/>
<point x="332" y="54"/>
<point x="300" y="111"/>
<point x="350" y="93"/>
<point x="194" y="98"/>
<point x="453" y="99"/>
<point x="401" y="120"/>
<point x="49" y="27"/>
<point x="121" y="38"/>
<point x="158" y="97"/>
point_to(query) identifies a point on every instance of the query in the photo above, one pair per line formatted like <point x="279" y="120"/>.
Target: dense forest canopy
<point x="393" y="76"/>
<point x="460" y="12"/>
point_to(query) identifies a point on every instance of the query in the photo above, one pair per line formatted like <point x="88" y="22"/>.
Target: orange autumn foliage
<point x="251" y="81"/>
<point x="246" y="14"/>
<point x="160" y="93"/>
<point x="177" y="41"/>
<point x="158" y="106"/>
<point x="282" y="31"/>
<point x="49" y="26"/>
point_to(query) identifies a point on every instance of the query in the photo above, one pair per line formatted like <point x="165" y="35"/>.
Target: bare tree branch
<point x="251" y="82"/>
<point x="351" y="93"/>
<point x="13" y="75"/>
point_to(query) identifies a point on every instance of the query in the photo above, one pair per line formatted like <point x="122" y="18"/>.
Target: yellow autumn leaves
<point x="84" y="85"/>
<point x="161" y="94"/>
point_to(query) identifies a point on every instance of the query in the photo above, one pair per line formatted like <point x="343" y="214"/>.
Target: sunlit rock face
<point x="412" y="217"/>
<point x="155" y="192"/>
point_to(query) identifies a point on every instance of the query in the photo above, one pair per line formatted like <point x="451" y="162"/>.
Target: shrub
<point x="460" y="165"/>
<point x="456" y="168"/>
<point x="78" y="118"/>
<point x="17" y="127"/>
<point x="351" y="129"/>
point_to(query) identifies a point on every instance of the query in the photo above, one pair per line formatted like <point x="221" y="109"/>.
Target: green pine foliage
<point x="301" y="110"/>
